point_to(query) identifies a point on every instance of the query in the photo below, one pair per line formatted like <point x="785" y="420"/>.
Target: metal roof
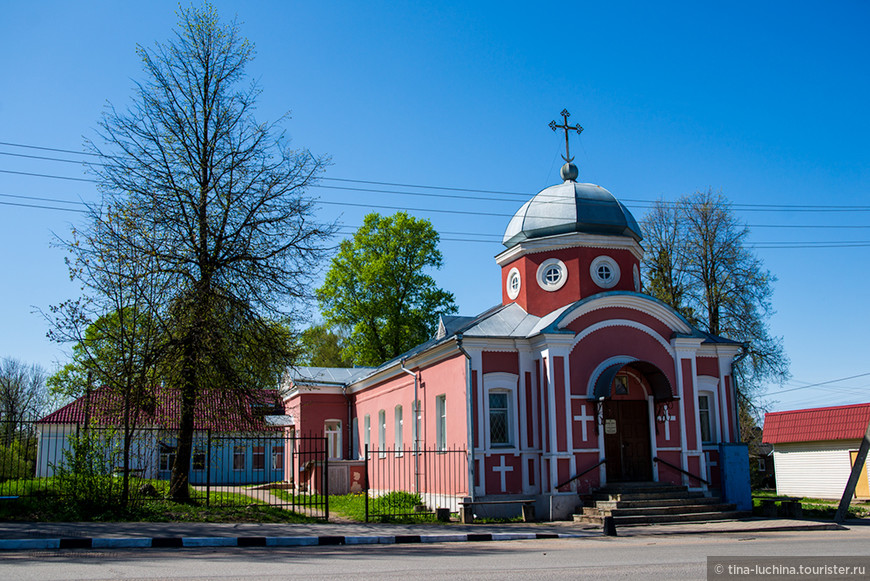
<point x="848" y="422"/>
<point x="219" y="410"/>
<point x="571" y="207"/>
<point x="327" y="375"/>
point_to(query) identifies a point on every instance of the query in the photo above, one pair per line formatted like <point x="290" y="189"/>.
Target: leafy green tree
<point x="322" y="347"/>
<point x="119" y="353"/>
<point x="209" y="206"/>
<point x="698" y="262"/>
<point x="377" y="288"/>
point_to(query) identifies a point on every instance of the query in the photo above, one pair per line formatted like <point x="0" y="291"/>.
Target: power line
<point x="42" y="207"/>
<point x="34" y="198"/>
<point x="751" y="207"/>
<point x="818" y="384"/>
<point x="42" y="175"/>
<point x="48" y="148"/>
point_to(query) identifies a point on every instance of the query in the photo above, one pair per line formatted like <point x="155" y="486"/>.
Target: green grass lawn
<point x="394" y="507"/>
<point x="40" y="499"/>
<point x="814" y="508"/>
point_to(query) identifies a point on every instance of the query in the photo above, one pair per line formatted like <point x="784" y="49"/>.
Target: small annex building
<point x="239" y="438"/>
<point x="814" y="449"/>
<point x="574" y="371"/>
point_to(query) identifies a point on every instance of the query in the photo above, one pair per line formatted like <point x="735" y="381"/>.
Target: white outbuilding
<point x="814" y="449"/>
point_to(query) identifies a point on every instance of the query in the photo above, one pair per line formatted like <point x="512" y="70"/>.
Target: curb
<point x="189" y="542"/>
<point x="638" y="531"/>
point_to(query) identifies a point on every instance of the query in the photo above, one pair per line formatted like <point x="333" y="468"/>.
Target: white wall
<point x="813" y="469"/>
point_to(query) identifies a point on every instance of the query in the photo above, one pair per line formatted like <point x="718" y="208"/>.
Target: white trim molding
<point x="637" y="302"/>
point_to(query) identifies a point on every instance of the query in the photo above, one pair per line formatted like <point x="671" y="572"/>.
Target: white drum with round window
<point x="552" y="274"/>
<point x="513" y="284"/>
<point x="604" y="272"/>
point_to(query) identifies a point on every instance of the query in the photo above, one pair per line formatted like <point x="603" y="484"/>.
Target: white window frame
<point x="544" y="283"/>
<point x="367" y="432"/>
<point x="240" y="452"/>
<point x="604" y="260"/>
<point x="501" y="382"/>
<point x="166" y="458"/>
<point x="382" y="433"/>
<point x="441" y="422"/>
<point x="399" y="436"/>
<point x="332" y="431"/>
<point x="354" y="439"/>
<point x="415" y="436"/>
<point x="513" y="276"/>
<point x="258" y="450"/>
<point x="704" y="398"/>
<point x="277" y="456"/>
<point x="198" y="452"/>
<point x="709" y="387"/>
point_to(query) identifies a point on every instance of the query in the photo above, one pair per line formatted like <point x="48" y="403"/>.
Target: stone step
<point x="619" y="487"/>
<point x="669" y="518"/>
<point x="656" y="503"/>
<point x="664" y="495"/>
<point x="686" y="509"/>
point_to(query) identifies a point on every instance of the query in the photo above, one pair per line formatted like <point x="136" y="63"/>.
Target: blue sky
<point x="765" y="101"/>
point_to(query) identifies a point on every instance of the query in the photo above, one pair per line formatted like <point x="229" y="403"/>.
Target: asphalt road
<point x="635" y="558"/>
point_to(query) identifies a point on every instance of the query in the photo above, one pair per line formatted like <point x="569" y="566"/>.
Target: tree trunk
<point x="179" y="488"/>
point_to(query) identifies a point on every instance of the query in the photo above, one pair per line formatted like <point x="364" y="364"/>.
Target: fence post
<point x="208" y="466"/>
<point x="366" y="480"/>
<point x="326" y="478"/>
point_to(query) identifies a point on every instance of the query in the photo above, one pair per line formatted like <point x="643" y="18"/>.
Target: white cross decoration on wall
<point x="710" y="464"/>
<point x="583" y="418"/>
<point x="667" y="418"/>
<point x="503" y="468"/>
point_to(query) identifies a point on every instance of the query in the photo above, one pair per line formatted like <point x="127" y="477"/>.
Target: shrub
<point x="85" y="478"/>
<point x="15" y="462"/>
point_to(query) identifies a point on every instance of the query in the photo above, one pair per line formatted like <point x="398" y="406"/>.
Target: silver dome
<point x="571" y="207"/>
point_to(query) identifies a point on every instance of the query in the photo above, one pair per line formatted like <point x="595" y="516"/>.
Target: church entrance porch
<point x="627" y="441"/>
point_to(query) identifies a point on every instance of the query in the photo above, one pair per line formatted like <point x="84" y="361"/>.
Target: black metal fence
<point x="241" y="469"/>
<point x="424" y="484"/>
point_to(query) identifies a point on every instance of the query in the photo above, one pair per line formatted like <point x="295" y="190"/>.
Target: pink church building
<point x="575" y="372"/>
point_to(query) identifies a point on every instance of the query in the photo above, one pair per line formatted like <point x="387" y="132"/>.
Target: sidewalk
<point x="24" y="535"/>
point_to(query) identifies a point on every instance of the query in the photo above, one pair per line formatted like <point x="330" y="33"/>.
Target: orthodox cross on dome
<point x="554" y="126"/>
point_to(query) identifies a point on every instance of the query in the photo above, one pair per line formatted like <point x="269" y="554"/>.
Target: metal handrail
<point x="573" y="478"/>
<point x="680" y="470"/>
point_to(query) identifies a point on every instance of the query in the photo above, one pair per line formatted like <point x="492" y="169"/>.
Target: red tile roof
<point x="847" y="422"/>
<point x="221" y="411"/>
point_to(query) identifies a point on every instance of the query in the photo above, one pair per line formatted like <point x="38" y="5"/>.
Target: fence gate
<point x="283" y="471"/>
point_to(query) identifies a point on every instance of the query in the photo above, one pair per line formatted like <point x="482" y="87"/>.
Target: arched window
<point x="400" y="438"/>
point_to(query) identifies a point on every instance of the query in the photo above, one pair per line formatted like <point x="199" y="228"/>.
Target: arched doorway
<point x="622" y="394"/>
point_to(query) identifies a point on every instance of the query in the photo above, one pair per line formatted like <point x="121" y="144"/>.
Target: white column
<point x="651" y="406"/>
<point x="684" y="348"/>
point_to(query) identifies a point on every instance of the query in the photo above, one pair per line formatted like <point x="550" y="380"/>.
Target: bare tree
<point x="664" y="267"/>
<point x="22" y="395"/>
<point x="698" y="262"/>
<point x="212" y="204"/>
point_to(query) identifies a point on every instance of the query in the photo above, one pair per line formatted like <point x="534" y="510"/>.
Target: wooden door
<point x="626" y="441"/>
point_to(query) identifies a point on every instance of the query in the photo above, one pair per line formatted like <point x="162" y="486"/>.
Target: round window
<point x="552" y="274"/>
<point x="513" y="284"/>
<point x="604" y="272"/>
